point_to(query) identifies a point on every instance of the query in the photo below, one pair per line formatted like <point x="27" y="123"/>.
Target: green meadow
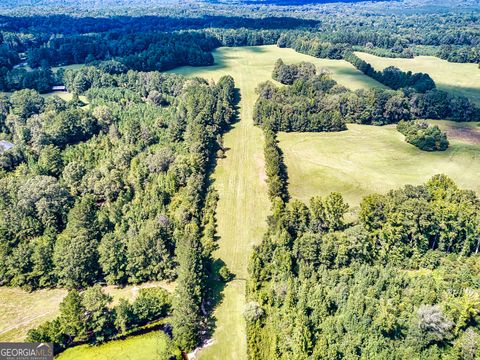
<point x="458" y="78"/>
<point x="365" y="159"/>
<point x="153" y="345"/>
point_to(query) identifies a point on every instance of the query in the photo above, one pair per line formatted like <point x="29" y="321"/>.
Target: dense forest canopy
<point x="115" y="191"/>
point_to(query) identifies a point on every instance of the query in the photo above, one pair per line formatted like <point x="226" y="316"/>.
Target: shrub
<point x="423" y="135"/>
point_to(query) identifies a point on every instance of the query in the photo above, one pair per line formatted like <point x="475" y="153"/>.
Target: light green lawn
<point x="64" y="95"/>
<point x="154" y="345"/>
<point x="458" y="78"/>
<point x="240" y="178"/>
<point x="366" y="159"/>
<point x="21" y="311"/>
<point x="68" y="67"/>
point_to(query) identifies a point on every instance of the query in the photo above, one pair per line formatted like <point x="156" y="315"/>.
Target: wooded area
<point x="114" y="186"/>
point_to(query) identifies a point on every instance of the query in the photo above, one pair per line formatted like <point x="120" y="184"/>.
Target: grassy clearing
<point x="460" y="132"/>
<point x="64" y="95"/>
<point x="68" y="67"/>
<point x="153" y="345"/>
<point x="366" y="159"/>
<point x="458" y="78"/>
<point x="260" y="61"/>
<point x="240" y="178"/>
<point x="21" y="310"/>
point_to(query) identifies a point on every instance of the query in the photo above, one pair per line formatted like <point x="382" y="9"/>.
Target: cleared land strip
<point x="240" y="179"/>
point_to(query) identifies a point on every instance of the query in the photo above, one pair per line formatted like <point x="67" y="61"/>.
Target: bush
<point x="253" y="311"/>
<point x="225" y="274"/>
<point x="423" y="135"/>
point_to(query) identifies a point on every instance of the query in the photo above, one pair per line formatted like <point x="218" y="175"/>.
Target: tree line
<point x="318" y="103"/>
<point x="392" y="76"/>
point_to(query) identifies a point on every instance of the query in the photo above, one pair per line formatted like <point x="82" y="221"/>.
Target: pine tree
<point x="76" y="255"/>
<point x="188" y="294"/>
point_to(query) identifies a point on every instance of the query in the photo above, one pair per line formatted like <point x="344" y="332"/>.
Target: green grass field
<point x="68" y="67"/>
<point x="366" y="159"/>
<point x="240" y="178"/>
<point x="458" y="78"/>
<point x="21" y="310"/>
<point x="153" y="345"/>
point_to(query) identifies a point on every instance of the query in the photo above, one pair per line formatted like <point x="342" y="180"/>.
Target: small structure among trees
<point x="5" y="146"/>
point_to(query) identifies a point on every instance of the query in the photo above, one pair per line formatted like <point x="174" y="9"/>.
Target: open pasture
<point x="367" y="159"/>
<point x="457" y="78"/>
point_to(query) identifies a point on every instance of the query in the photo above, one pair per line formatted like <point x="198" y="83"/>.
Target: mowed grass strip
<point x="240" y="178"/>
<point x="457" y="78"/>
<point x="371" y="159"/>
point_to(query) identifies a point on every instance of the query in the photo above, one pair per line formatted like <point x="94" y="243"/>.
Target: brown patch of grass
<point x="462" y="133"/>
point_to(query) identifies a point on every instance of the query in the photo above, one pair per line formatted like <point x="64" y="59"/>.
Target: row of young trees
<point x="392" y="76"/>
<point x="89" y="317"/>
<point x="423" y="135"/>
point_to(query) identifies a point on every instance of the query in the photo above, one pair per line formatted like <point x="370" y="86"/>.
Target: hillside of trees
<point x="114" y="192"/>
<point x="401" y="281"/>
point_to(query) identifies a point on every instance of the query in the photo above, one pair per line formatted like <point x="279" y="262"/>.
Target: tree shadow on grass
<point x="216" y="286"/>
<point x="213" y="162"/>
<point x="215" y="283"/>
